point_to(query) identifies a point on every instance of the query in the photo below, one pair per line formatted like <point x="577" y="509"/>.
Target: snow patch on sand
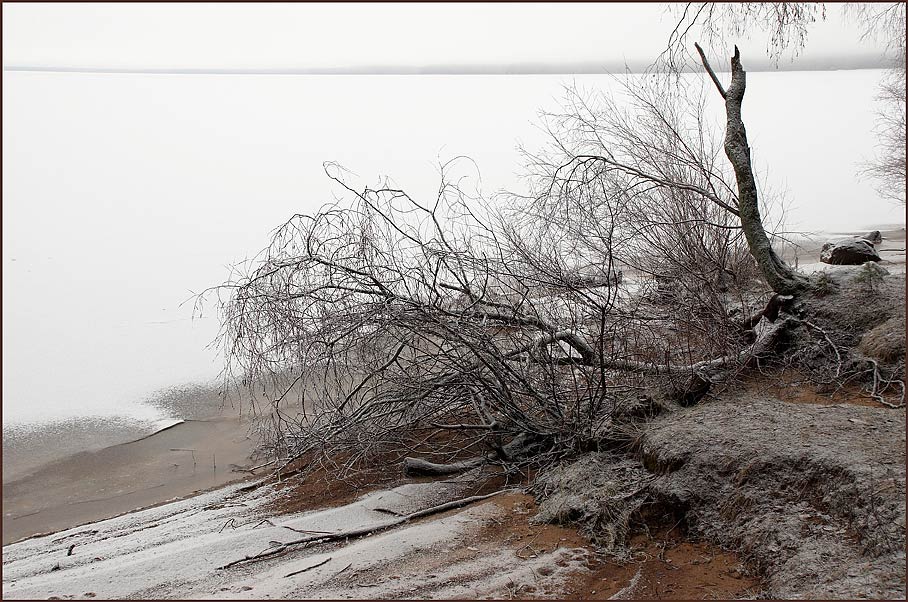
<point x="176" y="550"/>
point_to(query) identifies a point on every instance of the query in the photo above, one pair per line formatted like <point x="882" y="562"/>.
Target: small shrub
<point x="871" y="275"/>
<point x="823" y="284"/>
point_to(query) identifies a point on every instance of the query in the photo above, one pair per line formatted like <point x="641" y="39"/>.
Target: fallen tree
<point x="454" y="333"/>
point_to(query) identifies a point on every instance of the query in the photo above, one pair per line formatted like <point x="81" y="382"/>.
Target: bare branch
<point x="709" y="70"/>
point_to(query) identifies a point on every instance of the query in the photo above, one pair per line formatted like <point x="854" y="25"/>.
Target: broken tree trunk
<point x="778" y="274"/>
<point x="770" y="312"/>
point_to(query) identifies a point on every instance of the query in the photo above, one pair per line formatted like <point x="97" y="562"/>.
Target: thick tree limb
<point x="419" y="467"/>
<point x="309" y="568"/>
<point x="760" y="347"/>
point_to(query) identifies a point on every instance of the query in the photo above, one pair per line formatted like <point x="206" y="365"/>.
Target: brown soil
<point x="517" y="528"/>
<point x="301" y="491"/>
<point x="794" y="388"/>
<point x="513" y="529"/>
<point x="670" y="567"/>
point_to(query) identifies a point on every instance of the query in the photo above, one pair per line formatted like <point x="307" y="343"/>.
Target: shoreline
<point x="29" y="447"/>
<point x="177" y="461"/>
<point x="804" y="252"/>
<point x="160" y="430"/>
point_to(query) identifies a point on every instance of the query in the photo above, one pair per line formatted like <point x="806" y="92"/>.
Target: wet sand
<point x="191" y="456"/>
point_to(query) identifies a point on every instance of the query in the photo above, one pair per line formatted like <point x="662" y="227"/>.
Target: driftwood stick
<point x="340" y="571"/>
<point x="319" y="539"/>
<point x="306" y="531"/>
<point x="252" y="469"/>
<point x="309" y="568"/>
<point x="386" y="511"/>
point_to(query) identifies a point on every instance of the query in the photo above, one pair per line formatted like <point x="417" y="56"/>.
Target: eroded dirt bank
<point x="812" y="497"/>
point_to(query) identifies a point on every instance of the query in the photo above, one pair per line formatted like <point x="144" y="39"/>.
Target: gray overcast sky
<point x="300" y="37"/>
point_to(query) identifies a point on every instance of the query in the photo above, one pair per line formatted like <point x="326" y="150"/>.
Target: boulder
<point x="848" y="252"/>
<point x="873" y="238"/>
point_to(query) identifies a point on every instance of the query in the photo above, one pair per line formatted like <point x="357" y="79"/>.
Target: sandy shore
<point x="28" y="447"/>
<point x="192" y="456"/>
<point x="175" y="551"/>
<point x="486" y="549"/>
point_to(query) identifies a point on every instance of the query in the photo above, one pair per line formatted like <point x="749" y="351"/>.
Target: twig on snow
<point x="309" y="568"/>
<point x="283" y="547"/>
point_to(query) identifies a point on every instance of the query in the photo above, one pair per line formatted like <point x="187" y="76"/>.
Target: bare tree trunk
<point x="778" y="274"/>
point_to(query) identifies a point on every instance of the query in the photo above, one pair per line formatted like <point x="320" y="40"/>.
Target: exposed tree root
<point x="880" y="384"/>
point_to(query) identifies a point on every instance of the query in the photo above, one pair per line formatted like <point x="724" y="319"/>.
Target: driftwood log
<point x="416" y="467"/>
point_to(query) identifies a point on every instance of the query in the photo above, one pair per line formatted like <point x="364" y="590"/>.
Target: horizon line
<point x="851" y="63"/>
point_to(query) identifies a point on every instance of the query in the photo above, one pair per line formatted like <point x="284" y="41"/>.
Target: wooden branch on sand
<point x="309" y="568"/>
<point x="319" y="539"/>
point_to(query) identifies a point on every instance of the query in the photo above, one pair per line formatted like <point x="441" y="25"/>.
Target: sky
<point x="377" y="37"/>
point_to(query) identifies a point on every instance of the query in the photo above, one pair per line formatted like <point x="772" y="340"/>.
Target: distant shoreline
<point x="843" y="63"/>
